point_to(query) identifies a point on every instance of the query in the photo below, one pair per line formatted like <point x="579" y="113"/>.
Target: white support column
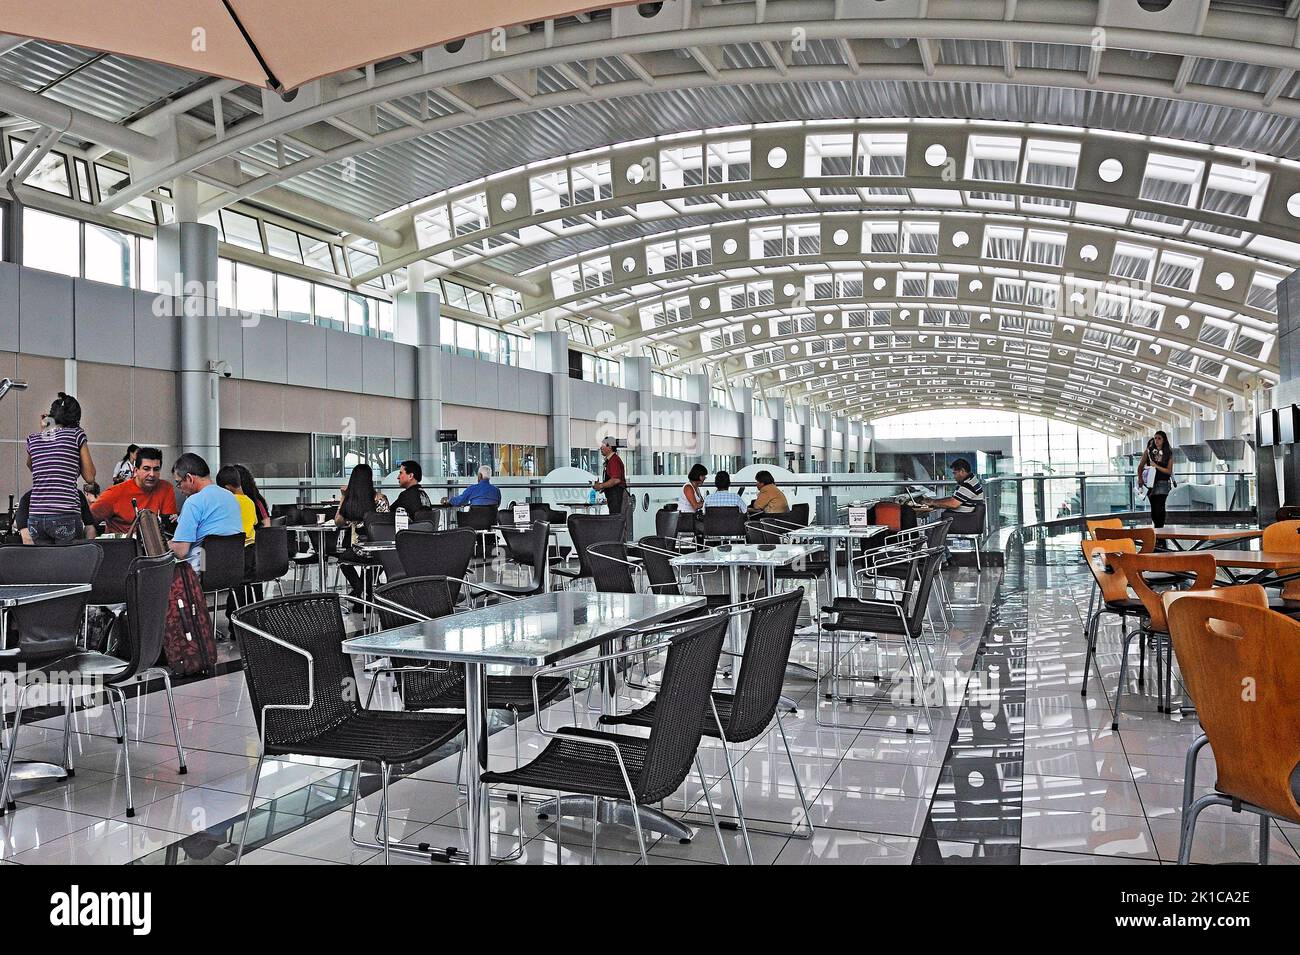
<point x="698" y="388"/>
<point x="551" y="350"/>
<point x="638" y="377"/>
<point x="187" y="283"/>
<point x="419" y="319"/>
<point x="776" y="408"/>
<point x="809" y="420"/>
<point x="743" y="399"/>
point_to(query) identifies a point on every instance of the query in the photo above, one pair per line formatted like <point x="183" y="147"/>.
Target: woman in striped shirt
<point x="57" y="455"/>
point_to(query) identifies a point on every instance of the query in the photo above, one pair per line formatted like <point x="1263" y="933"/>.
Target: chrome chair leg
<point x="5" y="803"/>
<point x="176" y="730"/>
<point x="1264" y="832"/>
<point x="383" y="810"/>
<point x="798" y="784"/>
<point x="1123" y="676"/>
<point x="708" y="801"/>
<point x="248" y="812"/>
<point x="69" y="703"/>
<point x="115" y="691"/>
<point x="735" y="795"/>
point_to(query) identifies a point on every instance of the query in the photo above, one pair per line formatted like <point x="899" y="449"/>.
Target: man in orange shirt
<point x="146" y="488"/>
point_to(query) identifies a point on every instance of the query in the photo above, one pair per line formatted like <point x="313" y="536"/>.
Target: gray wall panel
<point x="404" y="371"/>
<point x="103" y="322"/>
<point x="266" y="350"/>
<point x="378" y="367"/>
<point x="45" y="307"/>
<point x="306" y="356"/>
<point x="9" y="278"/>
<point x="156" y="337"/>
<point x="230" y="342"/>
<point x="343" y="361"/>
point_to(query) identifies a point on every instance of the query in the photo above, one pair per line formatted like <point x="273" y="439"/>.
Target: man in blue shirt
<point x="484" y="492"/>
<point x="723" y="496"/>
<point x="208" y="509"/>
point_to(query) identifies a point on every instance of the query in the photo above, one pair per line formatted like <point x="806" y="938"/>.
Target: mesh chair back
<point x="436" y="553"/>
<point x="109" y="586"/>
<point x="969" y="523"/>
<point x="798" y="514"/>
<point x="610" y="571"/>
<point x="223" y="562"/>
<point x="666" y="523"/>
<point x="278" y="676"/>
<point x="430" y="597"/>
<point x="685" y="692"/>
<point x="50" y="627"/>
<point x="762" y="669"/>
<point x="936" y="532"/>
<point x="146" y="588"/>
<point x="380" y="527"/>
<point x="928" y="570"/>
<point x="479" y="517"/>
<point x="724" y="522"/>
<point x="764" y="532"/>
<point x="588" y="529"/>
<point x="271" y="554"/>
<point x="528" y="549"/>
<point x="655" y="554"/>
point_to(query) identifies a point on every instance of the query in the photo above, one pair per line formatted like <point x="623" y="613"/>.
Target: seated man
<point x="413" y="497"/>
<point x="723" y="495"/>
<point x="970" y="490"/>
<point x="771" y="499"/>
<point x="484" y="492"/>
<point x="145" y="489"/>
<point x="208" y="509"/>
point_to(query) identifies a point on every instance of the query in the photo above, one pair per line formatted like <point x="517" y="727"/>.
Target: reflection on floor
<point x="1020" y="768"/>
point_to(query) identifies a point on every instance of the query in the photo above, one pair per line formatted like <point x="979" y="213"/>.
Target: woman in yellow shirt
<point x="228" y="478"/>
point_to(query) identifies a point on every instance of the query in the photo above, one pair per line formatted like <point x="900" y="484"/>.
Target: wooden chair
<point x="1197" y="571"/>
<point x="1144" y="537"/>
<point x="1092" y="524"/>
<point x="1227" y="640"/>
<point x="1284" y="537"/>
<point x="1115" y="596"/>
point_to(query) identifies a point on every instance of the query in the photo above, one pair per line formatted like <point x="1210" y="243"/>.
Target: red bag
<point x="188" y="643"/>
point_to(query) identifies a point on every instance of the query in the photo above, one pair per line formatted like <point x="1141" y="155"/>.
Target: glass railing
<point x="1012" y="501"/>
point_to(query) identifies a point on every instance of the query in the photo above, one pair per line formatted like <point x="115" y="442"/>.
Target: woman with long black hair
<point x="358" y="499"/>
<point x="249" y="488"/>
<point x="1156" y="474"/>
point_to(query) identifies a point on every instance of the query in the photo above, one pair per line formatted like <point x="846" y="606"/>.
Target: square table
<point x="830" y="534"/>
<point x="531" y="632"/>
<point x="1271" y="567"/>
<point x="1206" y="537"/>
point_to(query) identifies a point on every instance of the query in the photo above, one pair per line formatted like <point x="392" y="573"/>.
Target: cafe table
<point x="527" y="633"/>
<point x="320" y="530"/>
<point x="831" y="534"/>
<point x="1193" y="537"/>
<point x="1265" y="567"/>
<point x="28" y="773"/>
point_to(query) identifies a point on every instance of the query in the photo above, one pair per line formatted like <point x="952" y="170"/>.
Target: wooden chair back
<point x="1284" y="537"/>
<point x="1100" y="558"/>
<point x="1200" y="566"/>
<point x="1145" y="537"/>
<point x="1241" y="664"/>
<point x="1091" y="525"/>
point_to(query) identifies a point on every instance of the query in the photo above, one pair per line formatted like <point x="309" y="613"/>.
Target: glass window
<point x="147" y="273"/>
<point x="108" y="255"/>
<point x="50" y="174"/>
<point x="328" y="455"/>
<point x="254" y="289"/>
<point x="358" y="313"/>
<point x="467" y="339"/>
<point x="316" y="253"/>
<point x="51" y="242"/>
<point x="111" y="181"/>
<point x="226" y="284"/>
<point x="362" y="262"/>
<point x="83" y="180"/>
<point x="282" y="243"/>
<point x="294" y="297"/>
<point x="331" y="307"/>
<point x="241" y="230"/>
<point x="387" y="320"/>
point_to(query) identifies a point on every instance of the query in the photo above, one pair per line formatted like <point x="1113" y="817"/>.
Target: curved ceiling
<point x="1174" y="90"/>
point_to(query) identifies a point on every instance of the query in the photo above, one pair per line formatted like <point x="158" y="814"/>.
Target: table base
<point x="619" y="813"/>
<point x="28" y="776"/>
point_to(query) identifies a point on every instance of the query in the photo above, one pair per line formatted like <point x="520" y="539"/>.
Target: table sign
<point x="859" y="517"/>
<point x="522" y="513"/>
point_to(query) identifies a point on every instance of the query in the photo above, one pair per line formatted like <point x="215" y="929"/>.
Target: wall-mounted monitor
<point x="1286" y="424"/>
<point x="1266" y="430"/>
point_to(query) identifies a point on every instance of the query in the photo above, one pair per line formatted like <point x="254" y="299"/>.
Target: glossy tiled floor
<point x="1019" y="768"/>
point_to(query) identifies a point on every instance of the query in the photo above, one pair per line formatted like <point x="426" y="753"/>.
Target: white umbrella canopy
<point x="280" y="44"/>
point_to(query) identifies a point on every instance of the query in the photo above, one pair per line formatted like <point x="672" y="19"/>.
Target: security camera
<point x="221" y="368"/>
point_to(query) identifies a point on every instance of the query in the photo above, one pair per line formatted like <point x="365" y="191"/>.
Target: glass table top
<point x="530" y="632"/>
<point x="823" y="531"/>
<point x="746" y="555"/>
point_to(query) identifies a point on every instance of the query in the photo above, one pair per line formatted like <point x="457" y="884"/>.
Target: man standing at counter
<point x="614" y="481"/>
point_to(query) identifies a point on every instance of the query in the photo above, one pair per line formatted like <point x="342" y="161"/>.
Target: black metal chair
<point x="270" y="559"/>
<point x="639" y="769"/>
<point x="970" y="526"/>
<point x="902" y="616"/>
<point x="528" y="548"/>
<point x="295" y="667"/>
<point x="222" y="567"/>
<point x="480" y="518"/>
<point x="48" y="630"/>
<point x="146" y="588"/>
<point x="437" y="554"/>
<point x="797" y="515"/>
<point x="666" y="522"/>
<point x="585" y="530"/>
<point x="747" y="713"/>
<point x="611" y="571"/>
<point x="109" y="587"/>
<point x="723" y="523"/>
<point x="656" y="554"/>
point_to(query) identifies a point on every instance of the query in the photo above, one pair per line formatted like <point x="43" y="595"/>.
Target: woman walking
<point x="57" y="455"/>
<point x="1156" y="474"/>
